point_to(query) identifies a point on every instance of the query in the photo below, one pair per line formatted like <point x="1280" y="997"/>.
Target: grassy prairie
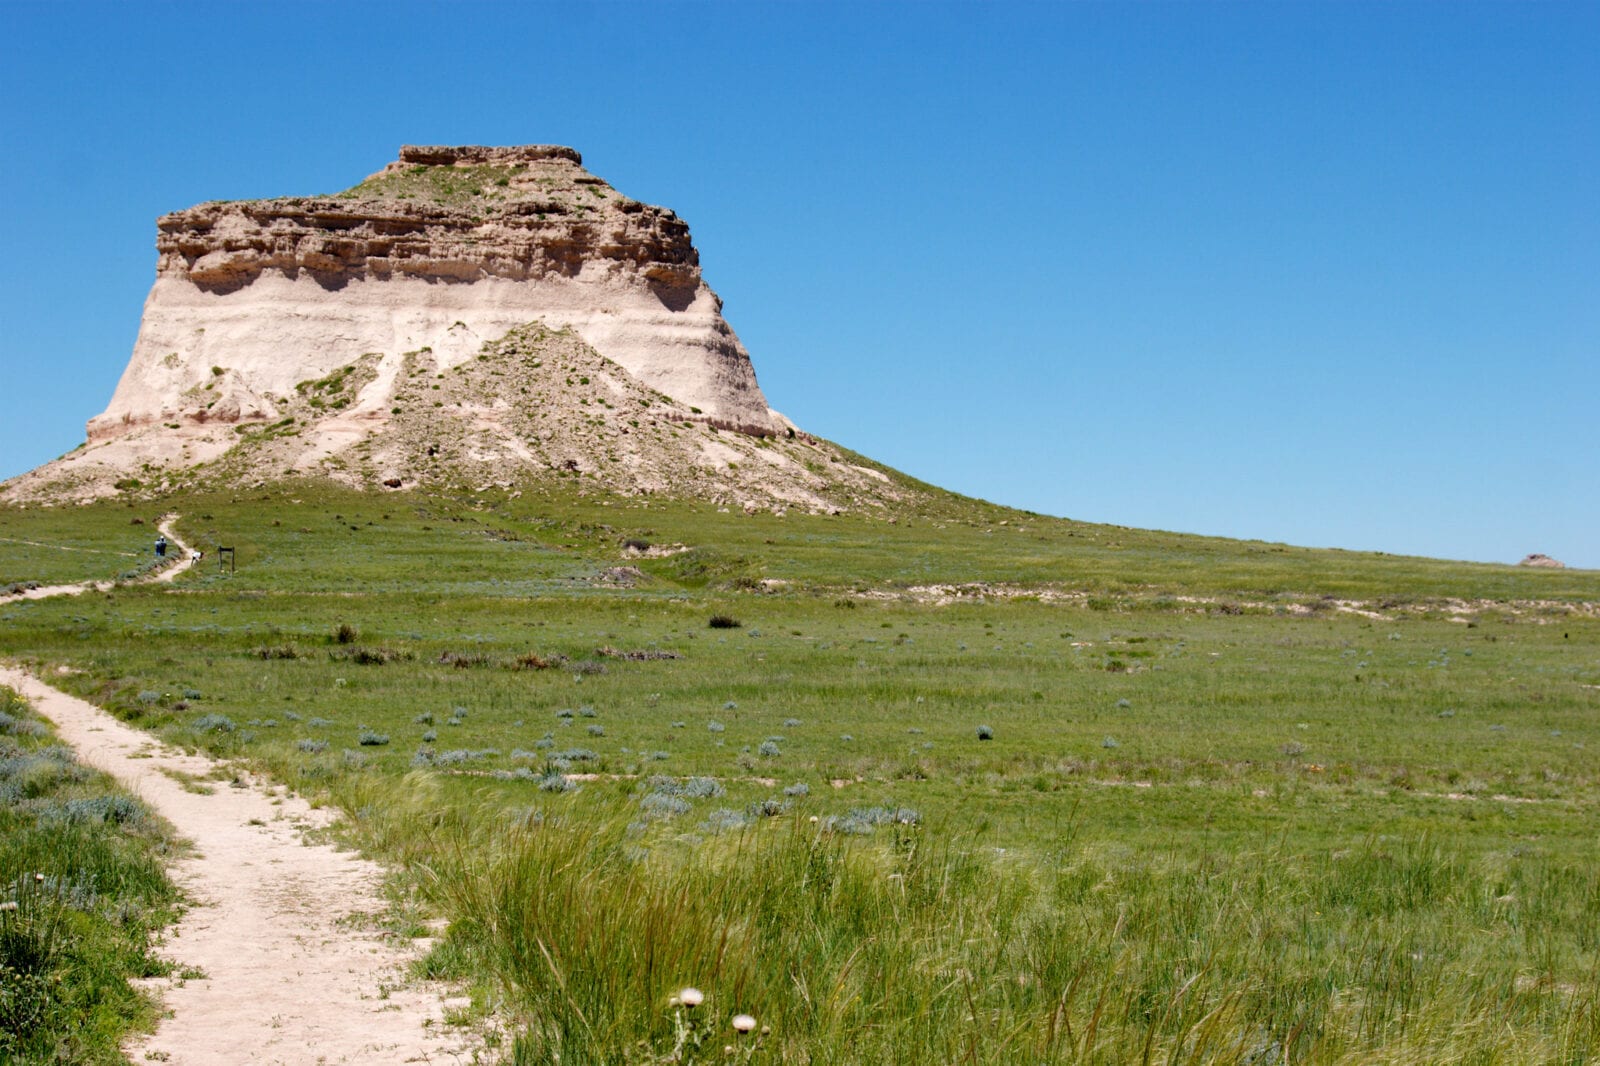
<point x="50" y="546"/>
<point x="971" y="784"/>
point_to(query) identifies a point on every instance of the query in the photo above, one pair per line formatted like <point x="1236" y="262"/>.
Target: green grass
<point x="1220" y="819"/>
<point x="56" y="545"/>
<point x="465" y="186"/>
<point x="82" y="894"/>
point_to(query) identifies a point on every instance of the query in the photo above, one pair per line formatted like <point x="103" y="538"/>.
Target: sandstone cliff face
<point x="444" y="249"/>
<point x="465" y="317"/>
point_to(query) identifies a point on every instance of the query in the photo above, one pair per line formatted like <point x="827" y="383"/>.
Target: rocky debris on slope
<point x="1537" y="559"/>
<point x="444" y="249"/>
<point x="539" y="404"/>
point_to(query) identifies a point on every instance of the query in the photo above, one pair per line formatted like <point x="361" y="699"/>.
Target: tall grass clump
<point x="818" y="938"/>
<point x="82" y="892"/>
<point x="915" y="946"/>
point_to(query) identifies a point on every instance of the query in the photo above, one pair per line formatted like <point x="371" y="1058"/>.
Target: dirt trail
<point x="283" y="931"/>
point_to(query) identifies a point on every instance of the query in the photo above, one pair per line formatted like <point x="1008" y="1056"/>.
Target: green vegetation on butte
<point x="956" y="783"/>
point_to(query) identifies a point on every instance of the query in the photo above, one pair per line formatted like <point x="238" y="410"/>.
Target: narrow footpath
<point x="286" y="964"/>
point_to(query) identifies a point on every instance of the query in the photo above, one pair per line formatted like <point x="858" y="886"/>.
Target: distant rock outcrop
<point x="466" y="314"/>
<point x="1542" y="560"/>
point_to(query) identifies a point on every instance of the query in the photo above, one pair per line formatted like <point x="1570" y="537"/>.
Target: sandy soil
<point x="283" y="930"/>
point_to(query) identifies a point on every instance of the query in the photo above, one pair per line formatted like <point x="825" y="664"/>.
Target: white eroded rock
<point x="445" y="249"/>
<point x="468" y="315"/>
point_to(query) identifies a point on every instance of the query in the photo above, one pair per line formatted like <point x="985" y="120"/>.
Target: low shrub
<point x="555" y="781"/>
<point x="464" y="660"/>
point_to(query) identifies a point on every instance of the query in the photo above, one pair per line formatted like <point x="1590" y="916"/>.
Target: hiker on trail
<point x="161" y="547"/>
<point x="195" y="555"/>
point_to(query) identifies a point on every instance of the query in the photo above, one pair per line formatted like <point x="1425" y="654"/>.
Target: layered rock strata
<point x="467" y="317"/>
<point x="444" y="249"/>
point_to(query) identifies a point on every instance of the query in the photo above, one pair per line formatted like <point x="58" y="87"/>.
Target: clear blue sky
<point x="1326" y="274"/>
